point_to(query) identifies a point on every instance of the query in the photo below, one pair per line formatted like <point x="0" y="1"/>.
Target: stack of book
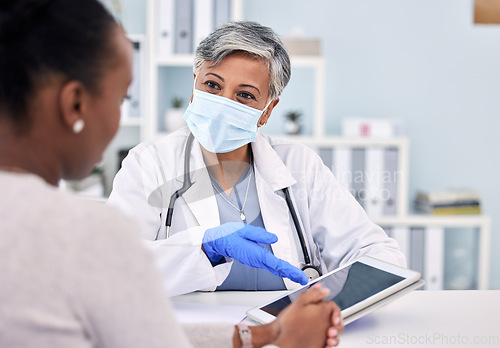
<point x="448" y="202"/>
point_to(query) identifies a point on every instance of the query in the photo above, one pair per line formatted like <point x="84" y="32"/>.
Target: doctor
<point x="204" y="200"/>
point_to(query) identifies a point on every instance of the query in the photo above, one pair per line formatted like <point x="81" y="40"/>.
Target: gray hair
<point x="252" y="38"/>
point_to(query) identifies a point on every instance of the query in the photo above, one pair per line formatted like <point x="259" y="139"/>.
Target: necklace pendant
<point x="242" y="216"/>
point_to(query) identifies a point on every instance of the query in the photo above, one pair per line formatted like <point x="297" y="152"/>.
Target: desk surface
<point x="419" y="319"/>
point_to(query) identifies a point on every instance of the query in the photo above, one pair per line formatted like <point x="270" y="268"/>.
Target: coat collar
<point x="270" y="165"/>
<point x="200" y="197"/>
<point x="266" y="160"/>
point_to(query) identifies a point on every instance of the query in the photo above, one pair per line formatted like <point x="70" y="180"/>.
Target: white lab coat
<point x="336" y="228"/>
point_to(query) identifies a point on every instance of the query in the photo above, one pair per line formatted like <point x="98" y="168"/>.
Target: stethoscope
<point x="311" y="271"/>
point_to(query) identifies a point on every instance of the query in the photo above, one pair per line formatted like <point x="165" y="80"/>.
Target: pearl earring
<point x="78" y="126"/>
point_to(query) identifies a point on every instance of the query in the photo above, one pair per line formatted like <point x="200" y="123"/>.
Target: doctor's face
<point x="239" y="77"/>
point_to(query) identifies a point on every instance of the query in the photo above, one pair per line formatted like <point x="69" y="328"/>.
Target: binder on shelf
<point x="342" y="166"/>
<point x="222" y="12"/>
<point x="462" y="259"/>
<point x="130" y="109"/>
<point x="374" y="162"/>
<point x="203" y="23"/>
<point x="326" y="155"/>
<point x="315" y="149"/>
<point x="417" y="251"/>
<point x="434" y="258"/>
<point x="135" y="87"/>
<point x="183" y="26"/>
<point x="358" y="181"/>
<point x="401" y="234"/>
<point x="390" y="179"/>
<point x="165" y="26"/>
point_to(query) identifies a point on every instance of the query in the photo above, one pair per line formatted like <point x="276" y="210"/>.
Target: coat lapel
<point x="200" y="197"/>
<point x="271" y="176"/>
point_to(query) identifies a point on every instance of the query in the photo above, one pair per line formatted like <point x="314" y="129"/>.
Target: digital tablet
<point x="357" y="288"/>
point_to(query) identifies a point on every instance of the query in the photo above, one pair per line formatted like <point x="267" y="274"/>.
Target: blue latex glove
<point x="240" y="241"/>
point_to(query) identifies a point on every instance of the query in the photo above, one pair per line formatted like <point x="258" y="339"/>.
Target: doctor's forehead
<point x="239" y="67"/>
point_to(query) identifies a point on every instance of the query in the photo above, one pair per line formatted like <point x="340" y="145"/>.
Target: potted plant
<point x="174" y="114"/>
<point x="292" y="122"/>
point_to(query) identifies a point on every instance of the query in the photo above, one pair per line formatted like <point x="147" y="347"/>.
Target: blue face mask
<point x="220" y="124"/>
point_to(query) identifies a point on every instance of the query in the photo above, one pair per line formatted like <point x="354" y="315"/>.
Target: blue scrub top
<point x="242" y="277"/>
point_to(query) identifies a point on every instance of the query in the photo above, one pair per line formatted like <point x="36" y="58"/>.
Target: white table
<point x="419" y="319"/>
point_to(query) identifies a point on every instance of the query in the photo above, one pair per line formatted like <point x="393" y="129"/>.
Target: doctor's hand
<point x="240" y="241"/>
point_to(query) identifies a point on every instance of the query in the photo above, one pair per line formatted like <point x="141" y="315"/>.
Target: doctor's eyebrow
<point x="250" y="86"/>
<point x="218" y="76"/>
<point x="242" y="85"/>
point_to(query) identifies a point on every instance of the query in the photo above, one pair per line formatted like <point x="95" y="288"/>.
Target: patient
<point x="74" y="272"/>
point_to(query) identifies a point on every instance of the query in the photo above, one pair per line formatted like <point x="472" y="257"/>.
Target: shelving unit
<point x="138" y="121"/>
<point x="401" y="144"/>
<point x="132" y="129"/>
<point x="479" y="222"/>
<point x="162" y="67"/>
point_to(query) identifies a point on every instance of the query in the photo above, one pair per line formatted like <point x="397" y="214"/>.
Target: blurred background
<point x="427" y="70"/>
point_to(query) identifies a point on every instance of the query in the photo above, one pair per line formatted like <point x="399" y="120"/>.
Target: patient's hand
<point x="309" y="321"/>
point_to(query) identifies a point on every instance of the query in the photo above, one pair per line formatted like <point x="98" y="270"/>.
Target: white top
<point x="336" y="228"/>
<point x="73" y="273"/>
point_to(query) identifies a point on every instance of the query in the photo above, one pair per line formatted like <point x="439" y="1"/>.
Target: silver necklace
<point x="242" y="216"/>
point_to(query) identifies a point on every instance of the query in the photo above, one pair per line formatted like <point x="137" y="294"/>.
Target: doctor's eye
<point x="212" y="87"/>
<point x="246" y="96"/>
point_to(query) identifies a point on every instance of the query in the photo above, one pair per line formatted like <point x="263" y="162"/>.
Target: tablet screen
<point x="348" y="286"/>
